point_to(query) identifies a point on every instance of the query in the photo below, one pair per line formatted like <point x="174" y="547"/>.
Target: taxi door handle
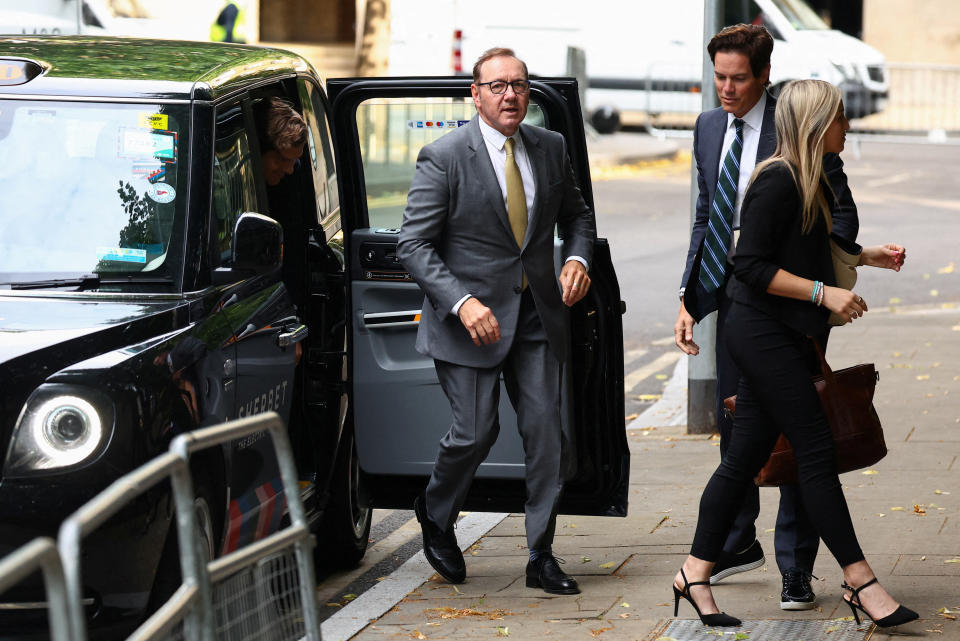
<point x="292" y="335"/>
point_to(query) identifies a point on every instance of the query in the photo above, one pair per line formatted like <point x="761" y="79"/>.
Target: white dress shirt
<point x="752" y="122"/>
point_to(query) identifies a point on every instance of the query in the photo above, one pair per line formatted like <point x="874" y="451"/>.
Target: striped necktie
<point x="713" y="261"/>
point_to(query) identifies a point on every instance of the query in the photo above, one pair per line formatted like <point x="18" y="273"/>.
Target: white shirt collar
<point x="494" y="137"/>
<point x="754" y="117"/>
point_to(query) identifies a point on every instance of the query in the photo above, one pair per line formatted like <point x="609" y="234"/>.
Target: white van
<point x="644" y="55"/>
<point x="96" y="17"/>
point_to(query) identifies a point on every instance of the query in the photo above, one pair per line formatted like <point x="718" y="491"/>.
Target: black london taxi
<point x="151" y="283"/>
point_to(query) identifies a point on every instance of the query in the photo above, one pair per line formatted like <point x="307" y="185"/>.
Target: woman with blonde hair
<point x="783" y="291"/>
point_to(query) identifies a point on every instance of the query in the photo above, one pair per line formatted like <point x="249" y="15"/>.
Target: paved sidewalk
<point x="627" y="148"/>
<point x="906" y="511"/>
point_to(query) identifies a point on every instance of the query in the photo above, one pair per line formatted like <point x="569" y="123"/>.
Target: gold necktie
<point x="516" y="199"/>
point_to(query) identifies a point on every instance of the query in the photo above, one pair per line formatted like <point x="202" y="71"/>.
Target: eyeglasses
<point x="499" y="87"/>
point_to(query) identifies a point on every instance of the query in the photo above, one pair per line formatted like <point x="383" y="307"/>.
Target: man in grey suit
<point x="477" y="236"/>
<point x="741" y="59"/>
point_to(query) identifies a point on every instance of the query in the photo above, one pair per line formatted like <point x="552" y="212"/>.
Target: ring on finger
<point x="575" y="284"/>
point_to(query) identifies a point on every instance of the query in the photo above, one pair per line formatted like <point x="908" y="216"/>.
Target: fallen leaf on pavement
<point x="923" y="558"/>
<point x="416" y="634"/>
<point x="940" y="492"/>
<point x="584" y="559"/>
<point x="631" y="417"/>
<point x="624" y="605"/>
<point x="934" y="292"/>
<point x="869" y="472"/>
<point x="608" y="564"/>
<point x="459" y="613"/>
<point x="952" y="561"/>
<point x="896" y="509"/>
<point x="625" y="615"/>
<point x="599" y="631"/>
<point x="923" y="377"/>
<point x="948" y="269"/>
<point x="919" y="510"/>
<point x="503" y="632"/>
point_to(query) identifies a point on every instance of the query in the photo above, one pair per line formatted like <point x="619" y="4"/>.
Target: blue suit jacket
<point x="708" y="133"/>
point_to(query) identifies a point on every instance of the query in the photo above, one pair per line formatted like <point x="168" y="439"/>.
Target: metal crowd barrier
<point x="922" y="104"/>
<point x="40" y="554"/>
<point x="264" y="591"/>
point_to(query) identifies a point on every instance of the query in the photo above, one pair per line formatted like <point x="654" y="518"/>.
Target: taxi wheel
<point x="208" y="526"/>
<point x="345" y="529"/>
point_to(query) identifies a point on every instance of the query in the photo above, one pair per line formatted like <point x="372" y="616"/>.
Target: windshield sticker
<point x="149" y="171"/>
<point x="122" y="254"/>
<point x="154" y="121"/>
<point x="435" y="124"/>
<point x="161" y="193"/>
<point x="140" y="144"/>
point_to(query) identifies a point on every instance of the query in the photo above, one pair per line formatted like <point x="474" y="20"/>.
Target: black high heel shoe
<point x="721" y="619"/>
<point x="898" y="617"/>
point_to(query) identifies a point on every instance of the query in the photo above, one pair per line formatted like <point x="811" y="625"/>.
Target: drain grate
<point x="768" y="630"/>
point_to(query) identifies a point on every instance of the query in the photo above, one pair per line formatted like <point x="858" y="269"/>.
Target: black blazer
<point x="771" y="239"/>
<point x="708" y="133"/>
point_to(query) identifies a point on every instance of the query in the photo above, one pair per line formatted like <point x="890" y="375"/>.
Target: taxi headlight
<point x="58" y="428"/>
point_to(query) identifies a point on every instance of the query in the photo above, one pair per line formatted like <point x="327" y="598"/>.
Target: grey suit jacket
<point x="456" y="240"/>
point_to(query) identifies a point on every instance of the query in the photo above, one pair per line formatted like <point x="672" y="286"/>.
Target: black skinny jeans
<point x="775" y="395"/>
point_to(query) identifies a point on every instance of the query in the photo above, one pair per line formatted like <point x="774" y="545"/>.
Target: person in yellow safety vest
<point x="230" y="25"/>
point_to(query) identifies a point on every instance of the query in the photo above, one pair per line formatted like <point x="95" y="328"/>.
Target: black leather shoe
<point x="545" y="573"/>
<point x="729" y="564"/>
<point x="440" y="547"/>
<point x="797" y="593"/>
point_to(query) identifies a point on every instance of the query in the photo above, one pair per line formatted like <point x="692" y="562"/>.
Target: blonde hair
<point x="805" y="110"/>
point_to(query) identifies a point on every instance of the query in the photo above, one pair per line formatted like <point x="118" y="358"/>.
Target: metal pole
<point x="702" y="369"/>
<point x="79" y="17"/>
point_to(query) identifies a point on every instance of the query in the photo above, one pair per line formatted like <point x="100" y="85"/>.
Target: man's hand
<point x="683" y="332"/>
<point x="889" y="256"/>
<point x="574" y="282"/>
<point x="479" y="321"/>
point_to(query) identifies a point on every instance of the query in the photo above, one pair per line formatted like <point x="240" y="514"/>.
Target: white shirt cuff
<point x="580" y="260"/>
<point x="456" y="308"/>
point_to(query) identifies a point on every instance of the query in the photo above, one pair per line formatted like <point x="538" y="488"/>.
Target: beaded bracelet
<point x="816" y="288"/>
<point x="820" y="295"/>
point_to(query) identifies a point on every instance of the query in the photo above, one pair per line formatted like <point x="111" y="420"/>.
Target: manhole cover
<point x="786" y="630"/>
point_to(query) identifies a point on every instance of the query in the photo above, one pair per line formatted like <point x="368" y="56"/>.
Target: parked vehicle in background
<point x="94" y="17"/>
<point x="152" y="282"/>
<point x="640" y="56"/>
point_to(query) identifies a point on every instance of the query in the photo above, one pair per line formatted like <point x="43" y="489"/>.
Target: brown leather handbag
<point x="847" y="398"/>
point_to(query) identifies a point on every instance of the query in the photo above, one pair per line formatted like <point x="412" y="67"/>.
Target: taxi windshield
<point x="91" y="188"/>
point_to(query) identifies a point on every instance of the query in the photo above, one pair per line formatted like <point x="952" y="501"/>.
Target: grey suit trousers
<point x="532" y="376"/>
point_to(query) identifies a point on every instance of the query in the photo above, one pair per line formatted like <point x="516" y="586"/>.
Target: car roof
<point x="110" y="67"/>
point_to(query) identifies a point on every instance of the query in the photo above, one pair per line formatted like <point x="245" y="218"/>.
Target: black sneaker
<point x="730" y="564"/>
<point x="797" y="593"/>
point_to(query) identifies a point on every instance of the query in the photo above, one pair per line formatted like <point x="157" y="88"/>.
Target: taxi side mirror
<point x="257" y="243"/>
<point x="256" y="248"/>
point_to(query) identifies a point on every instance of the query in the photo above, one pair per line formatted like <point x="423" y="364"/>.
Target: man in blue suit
<point x="745" y="121"/>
